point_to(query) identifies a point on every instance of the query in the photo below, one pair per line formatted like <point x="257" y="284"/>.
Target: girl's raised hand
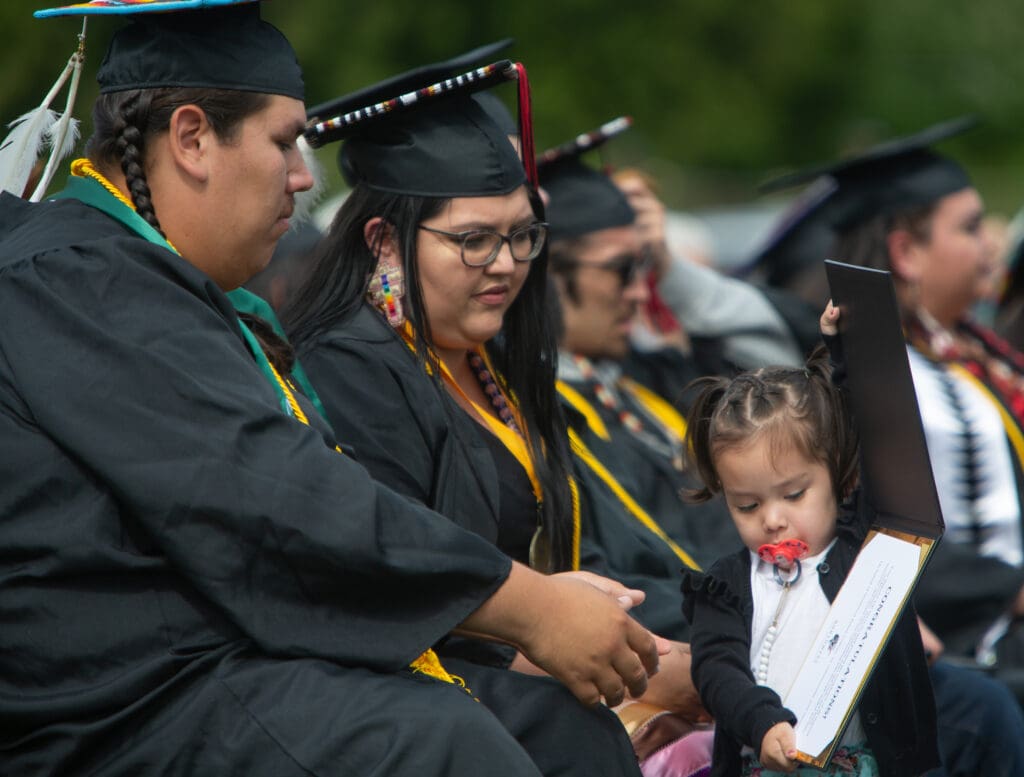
<point x="830" y="320"/>
<point x="778" y="748"/>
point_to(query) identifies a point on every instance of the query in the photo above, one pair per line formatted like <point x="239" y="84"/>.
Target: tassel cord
<point x="57" y="150"/>
<point x="59" y="136"/>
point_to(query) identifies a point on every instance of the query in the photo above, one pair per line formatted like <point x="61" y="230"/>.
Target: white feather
<point x="29" y="133"/>
<point x="20" y="149"/>
<point x="61" y="138"/>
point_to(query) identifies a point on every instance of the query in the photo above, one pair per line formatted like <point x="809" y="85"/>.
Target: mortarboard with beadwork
<point x="424" y="133"/>
<point x="582" y="199"/>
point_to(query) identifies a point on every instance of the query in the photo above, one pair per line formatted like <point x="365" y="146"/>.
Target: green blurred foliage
<point x="724" y="93"/>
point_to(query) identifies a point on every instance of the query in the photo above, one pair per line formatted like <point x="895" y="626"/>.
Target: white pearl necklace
<point x="773" y="629"/>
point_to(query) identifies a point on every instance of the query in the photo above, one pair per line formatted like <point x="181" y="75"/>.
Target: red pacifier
<point x="783" y="554"/>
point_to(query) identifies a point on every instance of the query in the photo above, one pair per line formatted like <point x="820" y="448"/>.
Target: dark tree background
<point x="724" y="93"/>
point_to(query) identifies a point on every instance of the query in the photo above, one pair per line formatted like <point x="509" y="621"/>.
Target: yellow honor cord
<point x="631" y="505"/>
<point x="669" y="417"/>
<point x="430" y="665"/>
<point x="293" y="403"/>
<point x="508" y="437"/>
<point x="83" y="168"/>
<point x="574" y="398"/>
<point x="1010" y="426"/>
<point x="577" y="528"/>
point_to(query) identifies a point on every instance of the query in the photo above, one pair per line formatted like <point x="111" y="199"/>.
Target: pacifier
<point x="783" y="554"/>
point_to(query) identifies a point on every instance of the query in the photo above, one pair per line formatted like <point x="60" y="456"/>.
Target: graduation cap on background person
<point x="801" y="237"/>
<point x="426" y="133"/>
<point x="185" y="43"/>
<point x="896" y="175"/>
<point x="580" y="198"/>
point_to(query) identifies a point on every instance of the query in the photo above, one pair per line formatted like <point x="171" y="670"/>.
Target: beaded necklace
<point x="490" y="388"/>
<point x="773" y="628"/>
<point x="659" y="437"/>
<point x="784" y="556"/>
<point x="512" y="438"/>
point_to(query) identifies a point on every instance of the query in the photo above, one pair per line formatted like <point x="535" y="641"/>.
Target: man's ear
<point x="905" y="256"/>
<point x="380" y="239"/>
<point x="565" y="286"/>
<point x="189" y="137"/>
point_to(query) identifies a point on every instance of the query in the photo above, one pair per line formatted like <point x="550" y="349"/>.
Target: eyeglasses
<point x="628" y="267"/>
<point x="480" y="247"/>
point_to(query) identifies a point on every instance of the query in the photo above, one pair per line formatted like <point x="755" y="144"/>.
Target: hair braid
<point x="123" y="121"/>
<point x="130" y="145"/>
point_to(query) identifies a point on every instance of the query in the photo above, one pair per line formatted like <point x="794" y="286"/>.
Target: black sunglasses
<point x="627" y="266"/>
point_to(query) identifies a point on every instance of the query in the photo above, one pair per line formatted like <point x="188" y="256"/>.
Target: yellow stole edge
<point x="631" y="505"/>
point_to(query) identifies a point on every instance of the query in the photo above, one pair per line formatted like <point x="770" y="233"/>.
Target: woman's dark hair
<point x="524" y="353"/>
<point x="792" y="406"/>
<point x="867" y="244"/>
<point x="124" y="122"/>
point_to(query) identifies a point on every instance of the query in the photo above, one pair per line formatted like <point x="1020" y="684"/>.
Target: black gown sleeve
<point x="961" y="593"/>
<point x="720" y="641"/>
<point x="129" y="358"/>
<point x="401" y="425"/>
<point x="371" y="410"/>
<point x="616" y="545"/>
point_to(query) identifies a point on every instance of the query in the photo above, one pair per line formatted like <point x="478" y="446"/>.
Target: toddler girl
<point x="779" y="446"/>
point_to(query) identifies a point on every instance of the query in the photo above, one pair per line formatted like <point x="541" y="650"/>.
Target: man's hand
<point x="573" y="631"/>
<point x="650" y="217"/>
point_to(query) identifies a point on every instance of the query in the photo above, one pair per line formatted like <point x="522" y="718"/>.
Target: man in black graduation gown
<point x="599" y="269"/>
<point x="193" y="582"/>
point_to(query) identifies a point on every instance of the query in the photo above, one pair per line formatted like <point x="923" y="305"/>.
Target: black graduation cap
<point x="800" y="238"/>
<point x="893" y="176"/>
<point x="580" y="198"/>
<point x="220" y="44"/>
<point x="425" y="133"/>
<point x="498" y="111"/>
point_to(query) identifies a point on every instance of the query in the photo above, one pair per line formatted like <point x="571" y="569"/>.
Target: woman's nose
<point x="503" y="263"/>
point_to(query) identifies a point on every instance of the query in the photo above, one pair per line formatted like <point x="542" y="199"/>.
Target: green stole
<point x="92" y="193"/>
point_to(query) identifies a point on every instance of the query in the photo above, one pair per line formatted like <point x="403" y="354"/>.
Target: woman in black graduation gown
<point x="444" y="384"/>
<point x="193" y="582"/>
<point x="904" y="208"/>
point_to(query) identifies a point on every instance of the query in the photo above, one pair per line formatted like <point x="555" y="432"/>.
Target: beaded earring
<point x="385" y="292"/>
